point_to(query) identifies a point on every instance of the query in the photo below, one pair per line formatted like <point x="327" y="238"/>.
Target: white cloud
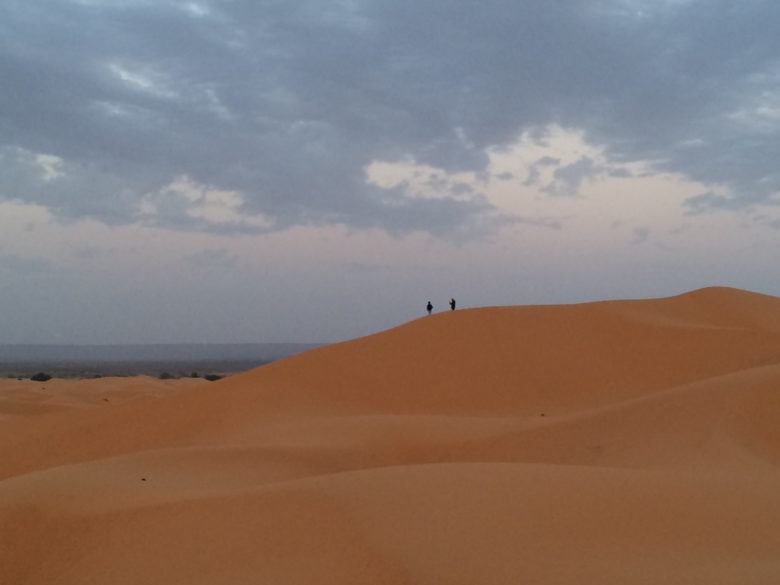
<point x="51" y="166"/>
<point x="144" y="78"/>
<point x="196" y="9"/>
<point x="185" y="197"/>
<point x="422" y="181"/>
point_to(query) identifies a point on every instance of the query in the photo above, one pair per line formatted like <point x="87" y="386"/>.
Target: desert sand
<point x="613" y="442"/>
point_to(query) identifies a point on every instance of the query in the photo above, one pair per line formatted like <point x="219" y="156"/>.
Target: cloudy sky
<point x="301" y="170"/>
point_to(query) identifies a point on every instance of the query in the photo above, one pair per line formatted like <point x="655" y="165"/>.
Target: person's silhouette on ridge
<point x="429" y="306"/>
<point x="452" y="304"/>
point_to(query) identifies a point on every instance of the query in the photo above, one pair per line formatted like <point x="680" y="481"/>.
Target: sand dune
<point x="27" y="397"/>
<point x="612" y="442"/>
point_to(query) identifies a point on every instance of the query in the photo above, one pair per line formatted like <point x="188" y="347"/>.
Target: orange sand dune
<point x="614" y="442"/>
<point x="27" y="397"/>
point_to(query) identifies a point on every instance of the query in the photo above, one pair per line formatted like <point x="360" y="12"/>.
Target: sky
<point x="305" y="171"/>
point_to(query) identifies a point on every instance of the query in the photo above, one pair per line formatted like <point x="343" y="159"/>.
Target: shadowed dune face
<point x="612" y="442"/>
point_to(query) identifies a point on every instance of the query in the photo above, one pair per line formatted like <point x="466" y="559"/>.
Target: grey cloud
<point x="12" y="265"/>
<point x="362" y="268"/>
<point x="88" y="252"/>
<point x="552" y="223"/>
<point x="211" y="259"/>
<point x="641" y="234"/>
<point x="711" y="201"/>
<point x="535" y="170"/>
<point x="568" y="179"/>
<point x="461" y="188"/>
<point x="620" y="173"/>
<point x="286" y="102"/>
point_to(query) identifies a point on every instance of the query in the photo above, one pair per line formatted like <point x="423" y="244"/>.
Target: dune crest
<point x="615" y="442"/>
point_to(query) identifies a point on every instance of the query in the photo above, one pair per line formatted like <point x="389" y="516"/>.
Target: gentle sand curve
<point x="613" y="442"/>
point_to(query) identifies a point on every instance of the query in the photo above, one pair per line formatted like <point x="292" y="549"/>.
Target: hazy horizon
<point x="178" y="359"/>
<point x="148" y="351"/>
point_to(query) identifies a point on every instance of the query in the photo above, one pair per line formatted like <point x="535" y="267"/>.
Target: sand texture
<point x="616" y="443"/>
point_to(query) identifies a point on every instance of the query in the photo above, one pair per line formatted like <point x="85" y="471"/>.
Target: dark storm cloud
<point x="287" y="102"/>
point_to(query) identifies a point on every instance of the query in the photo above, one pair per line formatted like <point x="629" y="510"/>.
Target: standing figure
<point x="429" y="306"/>
<point x="452" y="304"/>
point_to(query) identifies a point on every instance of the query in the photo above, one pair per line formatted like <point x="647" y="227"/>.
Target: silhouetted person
<point x="429" y="306"/>
<point x="452" y="304"/>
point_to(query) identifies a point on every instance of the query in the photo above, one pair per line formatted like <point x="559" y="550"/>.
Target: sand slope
<point x="27" y="397"/>
<point x="615" y="442"/>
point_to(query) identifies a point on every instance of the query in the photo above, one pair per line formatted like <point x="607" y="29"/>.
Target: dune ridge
<point x="612" y="442"/>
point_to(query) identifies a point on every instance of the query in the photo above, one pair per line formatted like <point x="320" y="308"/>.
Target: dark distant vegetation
<point x="181" y="360"/>
<point x="95" y="369"/>
<point x="209" y="377"/>
<point x="43" y="376"/>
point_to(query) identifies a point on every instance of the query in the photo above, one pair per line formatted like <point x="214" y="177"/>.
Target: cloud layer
<point x="275" y="110"/>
